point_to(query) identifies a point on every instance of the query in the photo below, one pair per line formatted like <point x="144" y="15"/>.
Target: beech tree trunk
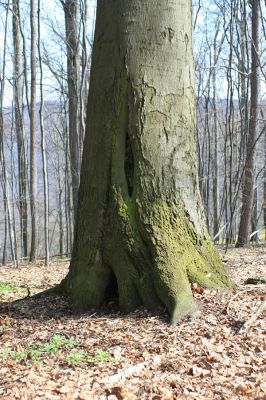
<point x="140" y="218"/>
<point x="43" y="147"/>
<point x="249" y="169"/>
<point x="70" y="9"/>
<point x="33" y="170"/>
<point x="19" y="124"/>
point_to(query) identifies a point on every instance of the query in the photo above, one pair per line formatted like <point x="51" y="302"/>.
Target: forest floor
<point x="49" y="352"/>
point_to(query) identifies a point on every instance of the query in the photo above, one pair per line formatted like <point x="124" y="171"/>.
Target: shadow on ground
<point x="55" y="307"/>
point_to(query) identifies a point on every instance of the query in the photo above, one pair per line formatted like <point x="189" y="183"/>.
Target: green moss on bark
<point x="155" y="256"/>
<point x="145" y="227"/>
<point x="180" y="257"/>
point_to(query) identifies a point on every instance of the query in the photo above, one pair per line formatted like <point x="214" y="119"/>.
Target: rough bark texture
<point x="43" y="148"/>
<point x="139" y="214"/>
<point x="249" y="169"/>
<point x="70" y="9"/>
<point x="18" y="100"/>
<point x="33" y="170"/>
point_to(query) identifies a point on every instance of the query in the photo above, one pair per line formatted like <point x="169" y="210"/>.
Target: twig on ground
<point x="247" y="325"/>
<point x="255" y="281"/>
<point x="243" y="289"/>
<point x="133" y="369"/>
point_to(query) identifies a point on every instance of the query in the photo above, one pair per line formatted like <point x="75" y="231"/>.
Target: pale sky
<point x="53" y="18"/>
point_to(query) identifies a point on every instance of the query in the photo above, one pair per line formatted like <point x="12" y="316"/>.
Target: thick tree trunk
<point x="139" y="213"/>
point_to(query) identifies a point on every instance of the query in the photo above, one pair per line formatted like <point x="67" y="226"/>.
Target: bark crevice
<point x="129" y="165"/>
<point x="139" y="214"/>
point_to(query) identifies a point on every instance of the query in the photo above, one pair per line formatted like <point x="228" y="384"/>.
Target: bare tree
<point x="19" y="126"/>
<point x="70" y="9"/>
<point x="249" y="169"/>
<point x="8" y="231"/>
<point x="33" y="172"/>
<point x="139" y="218"/>
<point x="43" y="148"/>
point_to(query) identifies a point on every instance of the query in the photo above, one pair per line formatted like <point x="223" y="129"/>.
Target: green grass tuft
<point x="56" y="343"/>
<point x="82" y="356"/>
<point x="6" y="288"/>
<point x="34" y="352"/>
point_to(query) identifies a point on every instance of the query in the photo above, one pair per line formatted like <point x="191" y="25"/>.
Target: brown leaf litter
<point x="204" y="358"/>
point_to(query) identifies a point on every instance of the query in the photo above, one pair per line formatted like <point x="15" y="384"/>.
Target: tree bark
<point x="249" y="168"/>
<point x="264" y="189"/>
<point x="33" y="172"/>
<point x="70" y="9"/>
<point x="19" y="124"/>
<point x="139" y="216"/>
<point x="43" y="148"/>
<point x="215" y="158"/>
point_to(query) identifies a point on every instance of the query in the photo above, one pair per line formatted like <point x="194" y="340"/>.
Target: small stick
<point x="133" y="369"/>
<point x="247" y="325"/>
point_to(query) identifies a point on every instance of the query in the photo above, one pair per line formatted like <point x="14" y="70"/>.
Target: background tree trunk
<point x="70" y="9"/>
<point x="18" y="103"/>
<point x="215" y="160"/>
<point x="249" y="168"/>
<point x="139" y="213"/>
<point x="43" y="149"/>
<point x="8" y="231"/>
<point x="33" y="172"/>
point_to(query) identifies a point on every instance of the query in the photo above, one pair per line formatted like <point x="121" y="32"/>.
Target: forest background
<point x="45" y="53"/>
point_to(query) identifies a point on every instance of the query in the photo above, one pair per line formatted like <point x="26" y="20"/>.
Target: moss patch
<point x="180" y="258"/>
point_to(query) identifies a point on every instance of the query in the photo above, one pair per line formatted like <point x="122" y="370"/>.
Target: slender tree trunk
<point x="264" y="188"/>
<point x="19" y="124"/>
<point x="43" y="148"/>
<point x="215" y="160"/>
<point x="139" y="213"/>
<point x="249" y="168"/>
<point x="60" y="198"/>
<point x="61" y="225"/>
<point x="8" y="222"/>
<point x="70" y="9"/>
<point x="33" y="172"/>
<point x="13" y="200"/>
<point x="254" y="219"/>
<point x="68" y="197"/>
<point x="4" y="255"/>
<point x="4" y="174"/>
<point x="84" y="72"/>
<point x="2" y="155"/>
<point x="7" y="209"/>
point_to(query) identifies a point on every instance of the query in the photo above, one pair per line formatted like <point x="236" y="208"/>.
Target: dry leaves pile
<point x="204" y="358"/>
